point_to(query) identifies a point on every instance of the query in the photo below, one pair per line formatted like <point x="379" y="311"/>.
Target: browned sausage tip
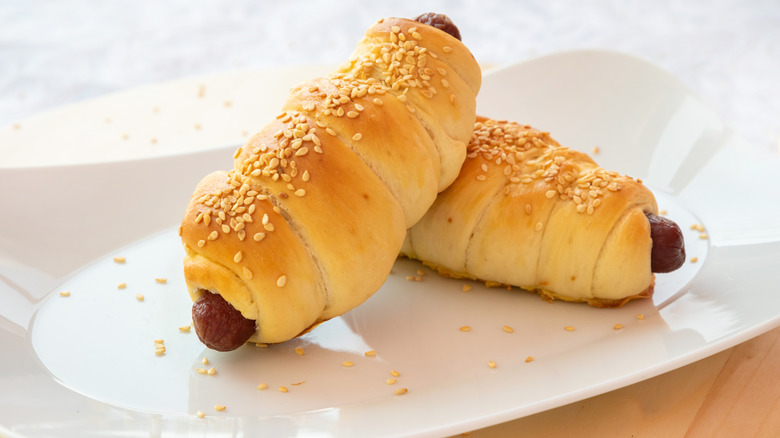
<point x="218" y="324"/>
<point x="439" y="21"/>
<point x="668" y="252"/>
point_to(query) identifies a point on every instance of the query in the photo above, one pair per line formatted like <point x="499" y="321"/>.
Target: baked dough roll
<point x="310" y="220"/>
<point x="528" y="212"/>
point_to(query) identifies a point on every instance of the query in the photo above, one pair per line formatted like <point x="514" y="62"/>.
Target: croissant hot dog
<point x="527" y="212"/>
<point x="310" y="220"/>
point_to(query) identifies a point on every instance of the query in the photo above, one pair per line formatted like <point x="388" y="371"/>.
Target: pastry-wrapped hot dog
<point x="309" y="221"/>
<point x="527" y="212"/>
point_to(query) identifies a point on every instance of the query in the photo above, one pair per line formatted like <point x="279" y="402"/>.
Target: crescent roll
<point x="311" y="218"/>
<point x="528" y="212"/>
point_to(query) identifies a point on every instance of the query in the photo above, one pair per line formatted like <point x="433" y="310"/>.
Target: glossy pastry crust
<point x="309" y="221"/>
<point x="528" y="212"/>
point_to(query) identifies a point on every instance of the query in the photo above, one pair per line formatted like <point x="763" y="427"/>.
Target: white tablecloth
<point x="61" y="51"/>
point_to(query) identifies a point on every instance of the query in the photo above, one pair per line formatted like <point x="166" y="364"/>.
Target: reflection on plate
<point x="92" y="355"/>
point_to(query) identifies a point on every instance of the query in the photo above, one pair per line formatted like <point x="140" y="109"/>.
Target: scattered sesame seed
<point x="465" y="328"/>
<point x="283" y="389"/>
<point x="617" y="326"/>
<point x="491" y="364"/>
<point x="120" y="259"/>
<point x="703" y="236"/>
<point x="238" y="257"/>
<point x="569" y="328"/>
<point x="161" y="280"/>
<point x="640" y="316"/>
<point x="219" y="408"/>
<point x="662" y="212"/>
<point x="401" y="391"/>
<point x="694" y="259"/>
<point x="281" y="281"/>
<point x="247" y="273"/>
<point x="508" y="329"/>
<point x="121" y="285"/>
<point x="211" y="371"/>
<point x="391" y="381"/>
<point x="466" y="288"/>
<point x="347" y="363"/>
<point x="370" y="353"/>
<point x="529" y="359"/>
<point x="65" y="294"/>
<point x="139" y="297"/>
<point x="200" y="414"/>
<point x="262" y="386"/>
<point x="395" y="373"/>
<point x="185" y="328"/>
<point x="261" y="344"/>
<point x="595" y="150"/>
<point x="201" y="370"/>
<point x="299" y="351"/>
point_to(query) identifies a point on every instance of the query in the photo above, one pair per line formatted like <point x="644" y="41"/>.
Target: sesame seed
<point x="185" y="329"/>
<point x="569" y="328"/>
<point x="617" y="326"/>
<point x="299" y="351"/>
<point x="465" y="328"/>
<point x="529" y="359"/>
<point x="401" y="391"/>
<point x="139" y="297"/>
<point x="391" y="381"/>
<point x="283" y="389"/>
<point x="200" y="414"/>
<point x="65" y="294"/>
<point x="281" y="281"/>
<point x="211" y="371"/>
<point x="205" y="361"/>
<point x="120" y="259"/>
<point x="446" y="49"/>
<point x="238" y="257"/>
<point x="357" y="136"/>
<point x="694" y="259"/>
<point x="550" y="194"/>
<point x="121" y="285"/>
<point x="300" y="192"/>
<point x="262" y="386"/>
<point x="395" y="373"/>
<point x="269" y="226"/>
<point x="491" y="364"/>
<point x="258" y="237"/>
<point x="161" y="280"/>
<point x="347" y="363"/>
<point x="247" y="273"/>
<point x="466" y="288"/>
<point x="213" y="235"/>
<point x="508" y="329"/>
<point x="703" y="236"/>
<point x="219" y="408"/>
<point x="640" y="316"/>
<point x="370" y="353"/>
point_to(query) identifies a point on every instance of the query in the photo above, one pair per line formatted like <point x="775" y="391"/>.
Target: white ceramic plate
<point x="86" y="364"/>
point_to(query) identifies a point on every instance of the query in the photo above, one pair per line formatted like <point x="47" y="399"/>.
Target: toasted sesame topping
<point x="238" y="257"/>
<point x="200" y="414"/>
<point x="283" y="389"/>
<point x="401" y="391"/>
<point x="465" y="328"/>
<point x="395" y="373"/>
<point x="120" y="259"/>
<point x="185" y="328"/>
<point x="617" y="326"/>
<point x="640" y="316"/>
<point x="299" y="351"/>
<point x="247" y="273"/>
<point x="508" y="329"/>
<point x="694" y="259"/>
<point x="262" y="386"/>
<point x="211" y="371"/>
<point x="529" y="359"/>
<point x="569" y="328"/>
<point x="491" y="364"/>
<point x="139" y="297"/>
<point x="161" y="280"/>
<point x="219" y="408"/>
<point x="65" y="294"/>
<point x="391" y="381"/>
<point x="347" y="363"/>
<point x="281" y="281"/>
<point x="370" y="353"/>
<point x="121" y="285"/>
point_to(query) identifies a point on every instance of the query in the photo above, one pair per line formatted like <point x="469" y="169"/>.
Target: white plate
<point x="87" y="364"/>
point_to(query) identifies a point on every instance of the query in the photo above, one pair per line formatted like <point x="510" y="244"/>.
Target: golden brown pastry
<point x="309" y="221"/>
<point x="527" y="212"/>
